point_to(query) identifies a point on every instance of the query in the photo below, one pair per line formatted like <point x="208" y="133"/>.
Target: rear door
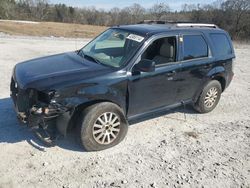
<point x="196" y="61"/>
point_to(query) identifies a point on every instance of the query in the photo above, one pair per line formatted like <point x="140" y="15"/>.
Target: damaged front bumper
<point x="43" y="120"/>
<point x="48" y="120"/>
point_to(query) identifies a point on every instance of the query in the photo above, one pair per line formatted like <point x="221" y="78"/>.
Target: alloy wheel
<point x="106" y="128"/>
<point x="211" y="97"/>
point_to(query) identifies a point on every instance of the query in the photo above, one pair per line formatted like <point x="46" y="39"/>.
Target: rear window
<point x="222" y="44"/>
<point x="194" y="47"/>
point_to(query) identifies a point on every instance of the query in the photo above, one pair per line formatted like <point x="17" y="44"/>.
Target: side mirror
<point x="145" y="65"/>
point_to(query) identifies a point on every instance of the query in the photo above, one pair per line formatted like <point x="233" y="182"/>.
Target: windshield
<point x="113" y="47"/>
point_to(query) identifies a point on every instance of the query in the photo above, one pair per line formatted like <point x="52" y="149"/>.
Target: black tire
<point x="89" y="120"/>
<point x="201" y="104"/>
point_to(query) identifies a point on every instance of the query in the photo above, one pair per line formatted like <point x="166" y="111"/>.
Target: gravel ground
<point x="179" y="149"/>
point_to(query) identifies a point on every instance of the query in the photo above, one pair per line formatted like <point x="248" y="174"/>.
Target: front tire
<point x="102" y="126"/>
<point x="209" y="97"/>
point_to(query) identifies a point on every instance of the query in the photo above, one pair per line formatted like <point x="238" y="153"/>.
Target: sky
<point x="108" y="4"/>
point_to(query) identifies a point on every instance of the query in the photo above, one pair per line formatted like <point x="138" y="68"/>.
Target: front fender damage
<point x="62" y="122"/>
<point x="49" y="122"/>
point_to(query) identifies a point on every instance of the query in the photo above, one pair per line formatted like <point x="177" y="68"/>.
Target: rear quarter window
<point x="194" y="46"/>
<point x="221" y="44"/>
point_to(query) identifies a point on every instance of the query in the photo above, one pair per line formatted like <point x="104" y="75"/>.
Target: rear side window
<point x="194" y="47"/>
<point x="221" y="44"/>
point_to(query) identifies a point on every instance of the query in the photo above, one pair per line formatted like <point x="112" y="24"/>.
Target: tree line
<point x="231" y="15"/>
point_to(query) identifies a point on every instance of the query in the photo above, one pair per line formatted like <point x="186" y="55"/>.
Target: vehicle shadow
<point x="12" y="132"/>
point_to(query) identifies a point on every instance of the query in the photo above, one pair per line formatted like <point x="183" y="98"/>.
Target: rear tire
<point x="102" y="126"/>
<point x="209" y="97"/>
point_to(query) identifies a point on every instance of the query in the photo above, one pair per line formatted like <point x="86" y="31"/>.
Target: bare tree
<point x="124" y="17"/>
<point x="136" y="12"/>
<point x="158" y="10"/>
<point x="41" y="9"/>
<point x="7" y="9"/>
<point x="239" y="9"/>
<point x="189" y="7"/>
<point x="231" y="15"/>
<point x="115" y="14"/>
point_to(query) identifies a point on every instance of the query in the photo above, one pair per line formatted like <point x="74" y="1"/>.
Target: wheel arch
<point x="216" y="76"/>
<point x="222" y="81"/>
<point x="219" y="74"/>
<point x="80" y="107"/>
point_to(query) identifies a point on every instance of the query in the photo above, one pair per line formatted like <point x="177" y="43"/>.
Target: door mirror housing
<point x="145" y="65"/>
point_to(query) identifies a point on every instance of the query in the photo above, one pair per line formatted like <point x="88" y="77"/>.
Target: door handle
<point x="171" y="73"/>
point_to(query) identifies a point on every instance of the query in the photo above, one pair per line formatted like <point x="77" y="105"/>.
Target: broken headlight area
<point x="39" y="110"/>
<point x="48" y="111"/>
<point x="42" y="120"/>
<point x="47" y="97"/>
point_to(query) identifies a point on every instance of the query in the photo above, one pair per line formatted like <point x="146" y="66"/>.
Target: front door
<point x="151" y="90"/>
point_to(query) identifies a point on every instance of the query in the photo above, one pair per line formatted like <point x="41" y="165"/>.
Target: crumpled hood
<point x="52" y="71"/>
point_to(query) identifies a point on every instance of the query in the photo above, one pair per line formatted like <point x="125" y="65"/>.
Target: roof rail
<point x="196" y="25"/>
<point x="178" y="24"/>
<point x="153" y="22"/>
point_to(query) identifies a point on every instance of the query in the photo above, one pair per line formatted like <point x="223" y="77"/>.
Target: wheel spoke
<point x="99" y="136"/>
<point x="113" y="135"/>
<point x="116" y="130"/>
<point x="98" y="131"/>
<point x="98" y="126"/>
<point x="105" y="117"/>
<point x="103" y="138"/>
<point x="110" y="117"/>
<point x="101" y="121"/>
<point x="114" y="119"/>
<point x="108" y="136"/>
<point x="116" y="124"/>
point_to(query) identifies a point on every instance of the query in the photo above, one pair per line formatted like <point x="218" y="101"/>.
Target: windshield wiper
<point x="80" y="52"/>
<point x="94" y="59"/>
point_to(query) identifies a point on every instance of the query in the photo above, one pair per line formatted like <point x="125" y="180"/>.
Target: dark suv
<point x="126" y="73"/>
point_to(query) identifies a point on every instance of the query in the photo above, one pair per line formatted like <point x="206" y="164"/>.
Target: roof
<point x="151" y="29"/>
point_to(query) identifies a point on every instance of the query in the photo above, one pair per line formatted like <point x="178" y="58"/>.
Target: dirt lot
<point x="208" y="150"/>
<point x="15" y="27"/>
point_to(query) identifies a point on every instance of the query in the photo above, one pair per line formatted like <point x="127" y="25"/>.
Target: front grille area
<point x="22" y="99"/>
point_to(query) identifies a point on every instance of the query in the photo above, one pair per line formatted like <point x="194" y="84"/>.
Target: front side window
<point x="194" y="46"/>
<point x="113" y="47"/>
<point x="161" y="51"/>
